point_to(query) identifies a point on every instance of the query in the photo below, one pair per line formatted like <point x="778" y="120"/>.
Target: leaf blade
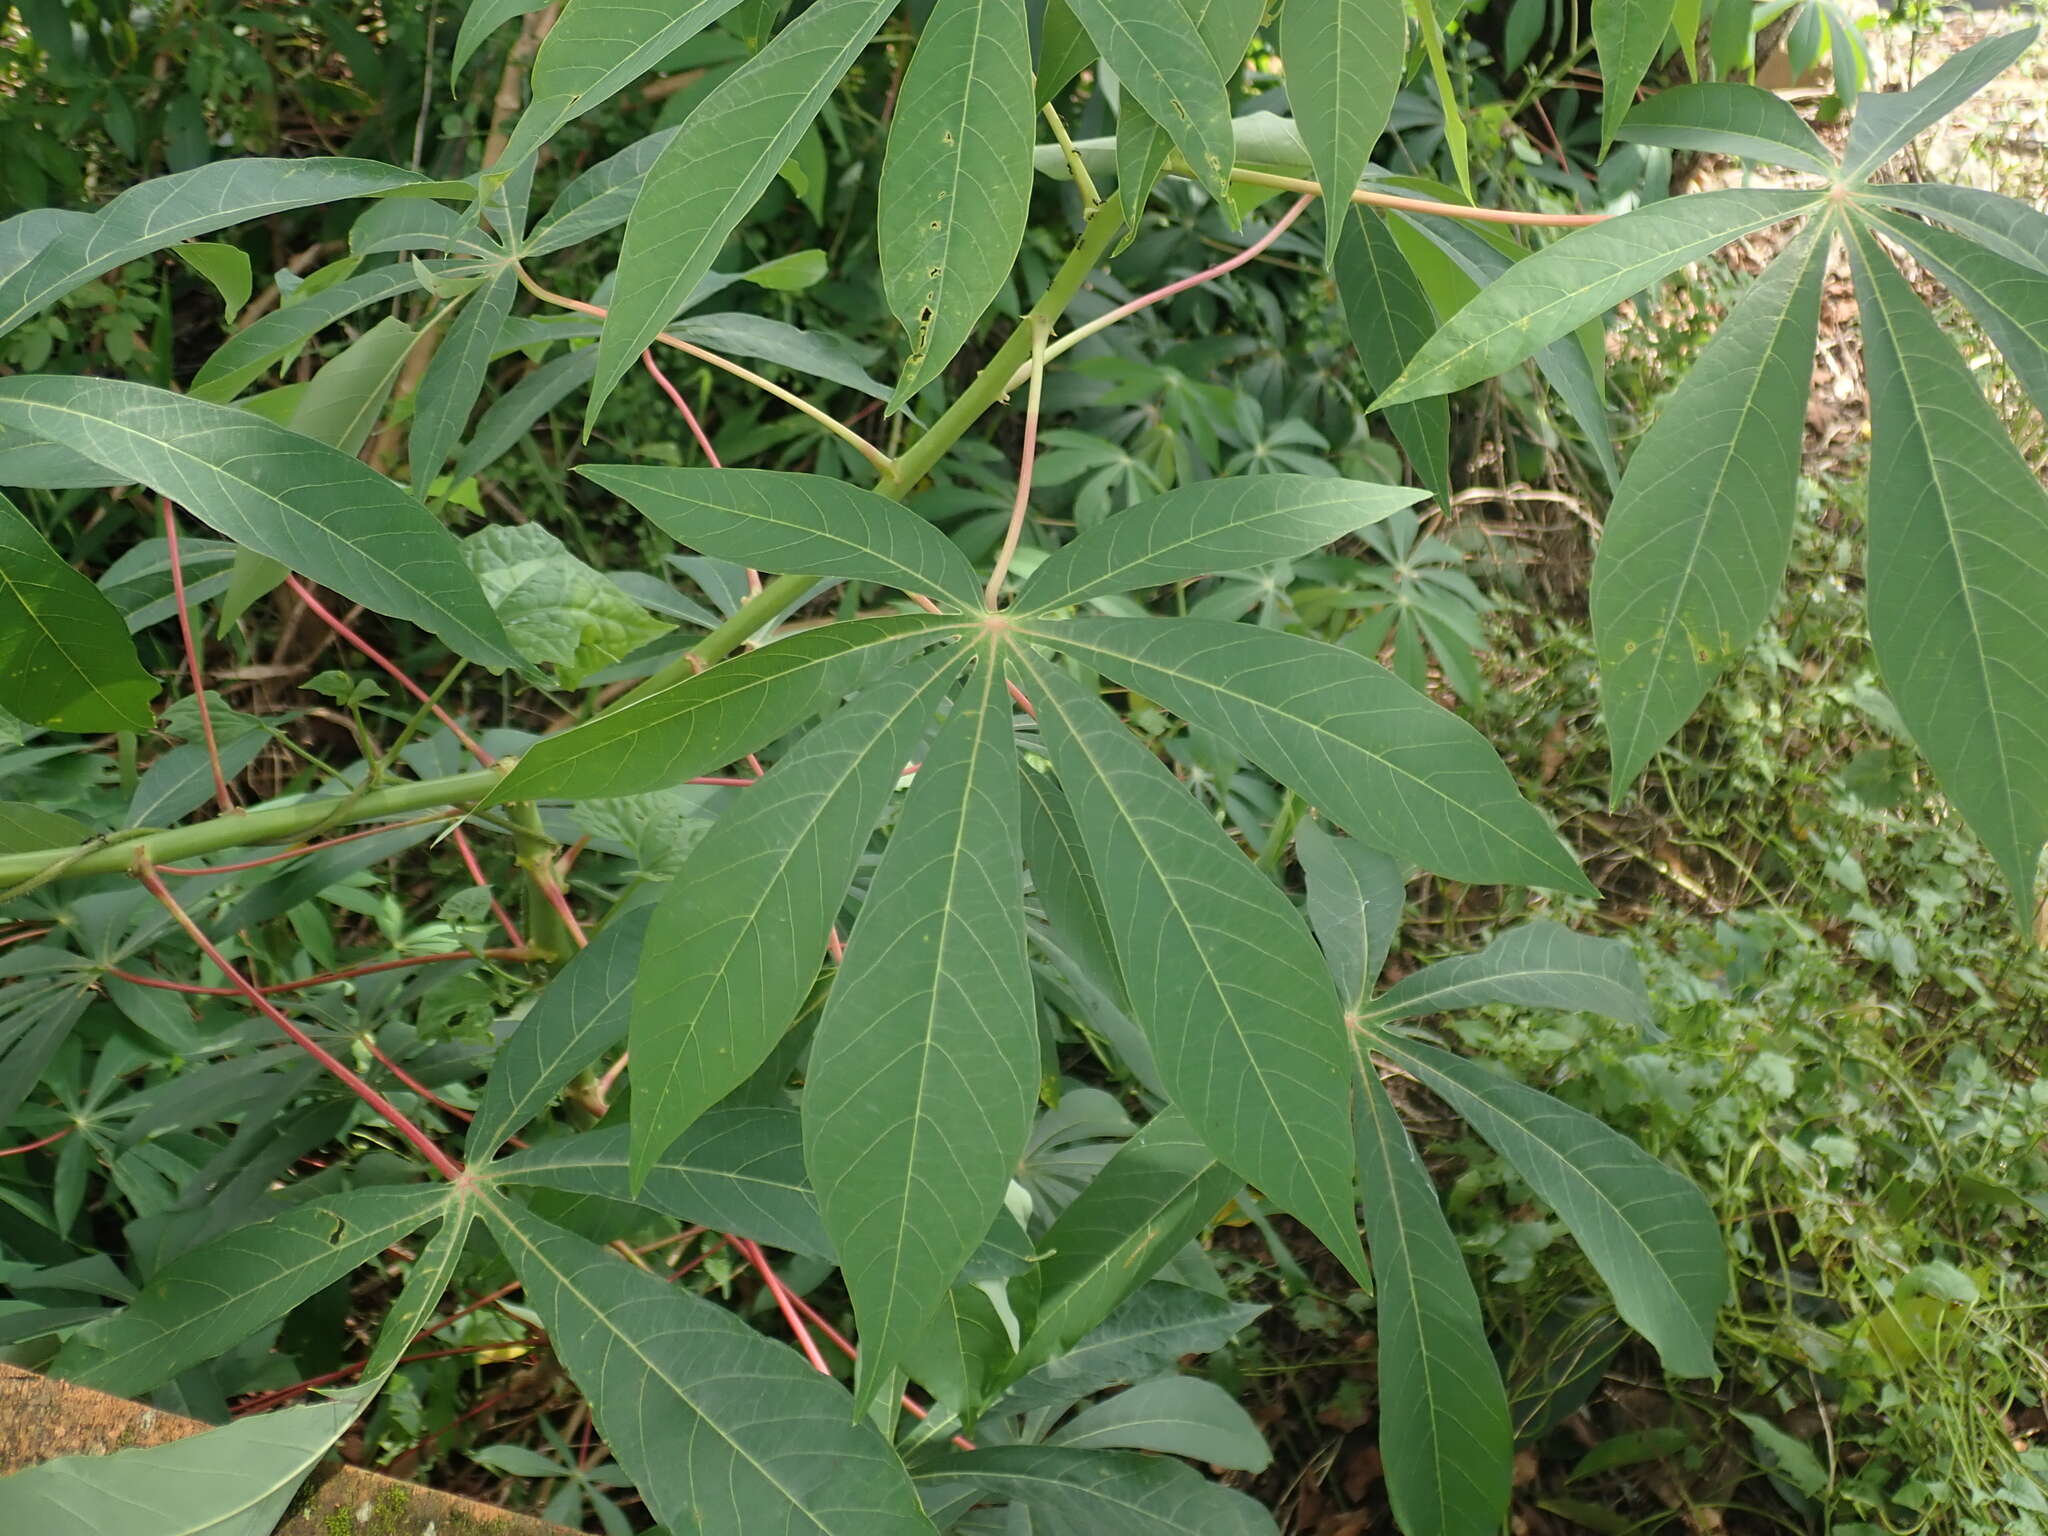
<point x="1533" y="965"/>
<point x="1346" y="58"/>
<point x="66" y="660"/>
<point x="1161" y="61"/>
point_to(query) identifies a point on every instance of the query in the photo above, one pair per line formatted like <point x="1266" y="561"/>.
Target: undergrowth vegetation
<point x="854" y="768"/>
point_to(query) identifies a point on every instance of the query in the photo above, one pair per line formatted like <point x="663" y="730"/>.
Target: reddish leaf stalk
<point x="476" y="873"/>
<point x="785" y="1302"/>
<point x="33" y="1146"/>
<point x="438" y="1160"/>
<point x="221" y="796"/>
<point x="347" y="973"/>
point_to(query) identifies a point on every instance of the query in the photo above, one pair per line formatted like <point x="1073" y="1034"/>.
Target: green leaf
<point x="1206" y="527"/>
<point x="738" y="938"/>
<point x="1581" y="277"/>
<point x="808" y="524"/>
<point x="675" y="734"/>
<point x="247" y="354"/>
<point x="513" y="414"/>
<point x="1222" y="975"/>
<point x="956" y="180"/>
<point x="1629" y="35"/>
<point x="448" y="392"/>
<point x="1728" y="117"/>
<point x="1225" y="29"/>
<point x="1355" y="894"/>
<point x="595" y="49"/>
<point x="65" y="656"/>
<point x="1958" y="573"/>
<point x="203" y="1304"/>
<point x="1886" y="121"/>
<point x="1156" y="1193"/>
<point x="168" y="209"/>
<point x="738" y="334"/>
<point x="1647" y="1230"/>
<point x="556" y="609"/>
<point x="1085" y="1493"/>
<point x="714" y="171"/>
<point x="225" y="266"/>
<point x="343" y="400"/>
<point x="1064" y="50"/>
<point x="578" y="1016"/>
<point x="738" y="1170"/>
<point x="29" y="828"/>
<point x="1385" y="761"/>
<point x="1696" y="543"/>
<point x="1345" y="60"/>
<point x="1532" y="965"/>
<point x="598" y="200"/>
<point x="1175" y="1415"/>
<point x="236" y="1480"/>
<point x="917" y="1100"/>
<point x="2000" y="224"/>
<point x="1160" y="59"/>
<point x="1065" y="886"/>
<point x="269" y="489"/>
<point x="719" y="1428"/>
<point x="1390" y="318"/>
<point x="2008" y="299"/>
<point x="1444" y="1414"/>
<point x="479" y="21"/>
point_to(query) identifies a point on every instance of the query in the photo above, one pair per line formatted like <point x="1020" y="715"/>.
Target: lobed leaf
<point x="1886" y="121"/>
<point x="2002" y="225"/>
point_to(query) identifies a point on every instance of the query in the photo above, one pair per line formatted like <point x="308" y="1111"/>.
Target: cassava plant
<point x="819" y="1017"/>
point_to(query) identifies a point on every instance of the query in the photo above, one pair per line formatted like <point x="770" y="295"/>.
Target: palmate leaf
<point x="712" y="173"/>
<point x="250" y="352"/>
<point x="1390" y="318"/>
<point x="1160" y="59"/>
<point x="721" y="1429"/>
<point x="271" y="490"/>
<point x="1545" y="298"/>
<point x="1085" y="1493"/>
<point x="1728" y="117"/>
<point x="737" y="1170"/>
<point x="2007" y="298"/>
<point x="737" y="940"/>
<point x="1533" y="965"/>
<point x="1696" y="543"/>
<point x="42" y="260"/>
<point x="1886" y="121"/>
<point x="674" y="734"/>
<point x="65" y="656"/>
<point x="956" y="180"/>
<point x="1354" y="906"/>
<point x="1210" y="526"/>
<point x="1358" y="743"/>
<point x="917" y="1100"/>
<point x="1222" y="976"/>
<point x="2000" y="224"/>
<point x="1345" y="62"/>
<point x="1443" y="1411"/>
<point x="448" y="391"/>
<point x="796" y="523"/>
<point x="1648" y="1231"/>
<point x="214" y="1297"/>
<point x="1958" y="573"/>
<point x="598" y="200"/>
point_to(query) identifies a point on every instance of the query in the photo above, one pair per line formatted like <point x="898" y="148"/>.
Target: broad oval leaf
<point x="720" y="1428"/>
<point x="1648" y="1231"/>
<point x="1695" y="545"/>
<point x="739" y="936"/>
<point x="168" y="209"/>
<point x="1532" y="965"/>
<point x="1344" y="64"/>
<point x="1444" y="1414"/>
<point x="1160" y="59"/>
<point x="211" y="1299"/>
<point x="794" y="523"/>
<point x="1958" y="573"/>
<point x="675" y="734"/>
<point x="1886" y="121"/>
<point x="956" y="180"/>
<point x="737" y="1170"/>
<point x="1387" y="762"/>
<point x="65" y="656"/>
<point x="308" y="506"/>
<point x="712" y="173"/>
<point x="925" y="1065"/>
<point x="1222" y="975"/>
<point x="1728" y="117"/>
<point x="1582" y="276"/>
<point x="1085" y="1493"/>
<point x="1206" y="527"/>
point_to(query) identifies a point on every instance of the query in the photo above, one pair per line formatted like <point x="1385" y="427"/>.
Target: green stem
<point x="279" y="824"/>
<point x="1281" y="838"/>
